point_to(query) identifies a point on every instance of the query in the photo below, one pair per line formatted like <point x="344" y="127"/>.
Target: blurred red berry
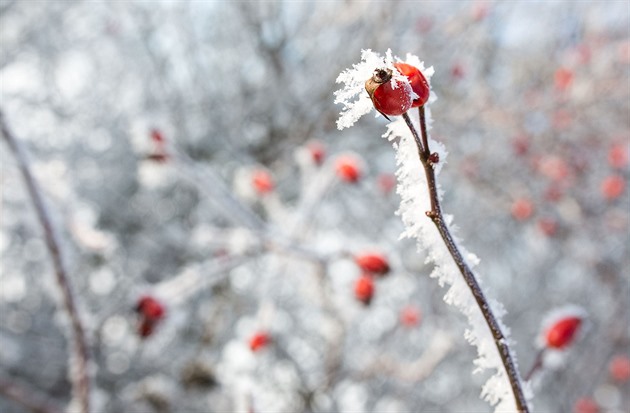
<point x="553" y="193"/>
<point x="613" y="187"/>
<point x="348" y="169"/>
<point x="259" y="340"/>
<point x="480" y="10"/>
<point x="457" y="71"/>
<point x="548" y="226"/>
<point x="522" y="209"/>
<point x="364" y="289"/>
<point x="563" y="78"/>
<point x="317" y="150"/>
<point x="585" y="405"/>
<point x="563" y="332"/>
<point x="373" y="263"/>
<point x="262" y="181"/>
<point x="521" y="144"/>
<point x="386" y="183"/>
<point x="410" y="316"/>
<point x="387" y="99"/>
<point x="150" y="308"/>
<point x="618" y="155"/>
<point x="157" y="136"/>
<point x="554" y="167"/>
<point x="418" y="83"/>
<point x="619" y="368"/>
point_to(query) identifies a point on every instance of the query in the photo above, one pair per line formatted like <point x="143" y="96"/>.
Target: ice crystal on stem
<point x="486" y="331"/>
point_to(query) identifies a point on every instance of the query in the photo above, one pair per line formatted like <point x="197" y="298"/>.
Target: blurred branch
<point x="435" y="214"/>
<point x="27" y="397"/>
<point x="78" y="364"/>
<point x="413" y="371"/>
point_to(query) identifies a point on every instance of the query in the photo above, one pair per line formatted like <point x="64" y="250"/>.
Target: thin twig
<point x="435" y="214"/>
<point x="29" y="398"/>
<point x="538" y="363"/>
<point x="79" y="371"/>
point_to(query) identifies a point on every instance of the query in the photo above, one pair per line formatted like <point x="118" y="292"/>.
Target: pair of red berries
<point x="395" y="98"/>
<point x="371" y="264"/>
<point x="150" y="312"/>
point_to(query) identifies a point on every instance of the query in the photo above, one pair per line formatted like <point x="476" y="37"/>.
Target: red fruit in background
<point x="410" y="316"/>
<point x="554" y="167"/>
<point x="561" y="119"/>
<point x="317" y="151"/>
<point x="563" y="78"/>
<point x="387" y="99"/>
<point x="585" y="405"/>
<point x="157" y="136"/>
<point x="150" y="308"/>
<point x="618" y="155"/>
<point x="259" y="341"/>
<point x="373" y="263"/>
<point x="418" y="83"/>
<point x="262" y="181"/>
<point x="522" y="209"/>
<point x="563" y="332"/>
<point x="348" y="169"/>
<point x="457" y="71"/>
<point x="548" y="226"/>
<point x="424" y="24"/>
<point x="521" y="144"/>
<point x="619" y="368"/>
<point x="364" y="289"/>
<point x="613" y="187"/>
<point x="386" y="183"/>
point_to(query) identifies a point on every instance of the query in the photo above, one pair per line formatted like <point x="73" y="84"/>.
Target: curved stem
<point x="435" y="214"/>
<point x="79" y="371"/>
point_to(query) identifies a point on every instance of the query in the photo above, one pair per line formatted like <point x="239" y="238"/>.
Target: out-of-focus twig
<point x="78" y="365"/>
<point x="27" y="397"/>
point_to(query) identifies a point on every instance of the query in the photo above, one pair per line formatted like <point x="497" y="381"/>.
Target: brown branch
<point x="435" y="214"/>
<point x="26" y="397"/>
<point x="78" y="372"/>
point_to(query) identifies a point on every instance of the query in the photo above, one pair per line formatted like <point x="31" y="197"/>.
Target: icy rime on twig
<point x="418" y="169"/>
<point x="493" y="322"/>
<point x="79" y="362"/>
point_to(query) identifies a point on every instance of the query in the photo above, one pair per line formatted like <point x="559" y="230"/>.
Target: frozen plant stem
<point x="79" y="362"/>
<point x="435" y="214"/>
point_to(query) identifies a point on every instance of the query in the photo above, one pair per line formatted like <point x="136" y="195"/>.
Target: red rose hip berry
<point x="619" y="368"/>
<point x="388" y="99"/>
<point x="373" y="263"/>
<point x="418" y="83"/>
<point x="563" y="332"/>
<point x="348" y="168"/>
<point x="364" y="289"/>
<point x="262" y="181"/>
<point x="258" y="341"/>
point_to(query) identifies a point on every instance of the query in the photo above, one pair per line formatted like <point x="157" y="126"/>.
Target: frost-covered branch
<point x="394" y="87"/>
<point x="435" y="214"/>
<point x="78" y="367"/>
